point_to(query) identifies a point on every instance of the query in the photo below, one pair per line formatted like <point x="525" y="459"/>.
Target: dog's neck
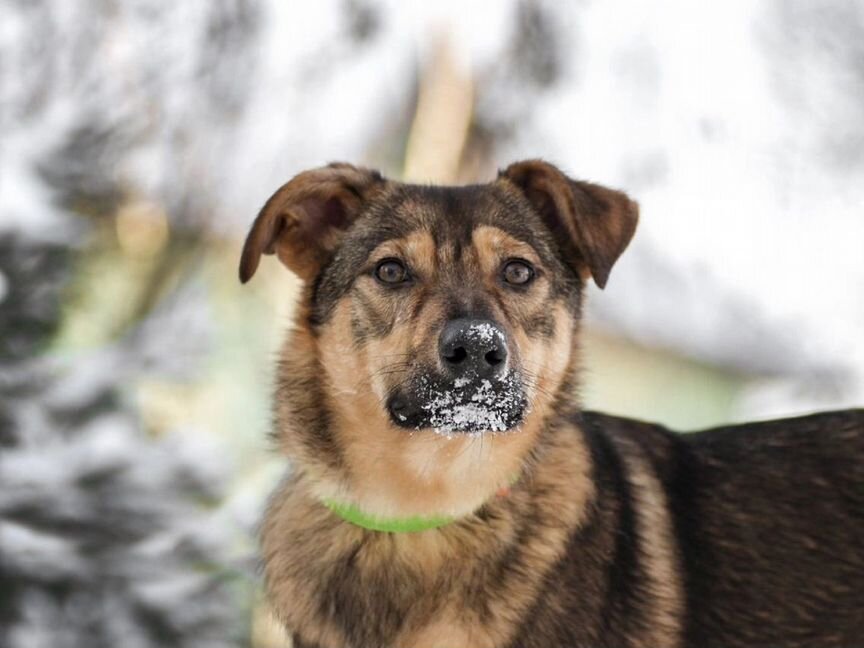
<point x="302" y="537"/>
<point x="415" y="524"/>
<point x="429" y="476"/>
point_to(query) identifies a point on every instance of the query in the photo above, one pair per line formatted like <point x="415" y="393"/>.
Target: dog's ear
<point x="303" y="222"/>
<point x="593" y="223"/>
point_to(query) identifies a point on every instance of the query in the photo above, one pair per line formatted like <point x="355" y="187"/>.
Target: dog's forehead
<point x="450" y="215"/>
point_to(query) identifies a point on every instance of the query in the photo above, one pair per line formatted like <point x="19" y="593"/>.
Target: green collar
<point x="354" y="515"/>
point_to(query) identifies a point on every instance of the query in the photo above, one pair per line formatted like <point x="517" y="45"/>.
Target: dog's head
<point x="433" y="314"/>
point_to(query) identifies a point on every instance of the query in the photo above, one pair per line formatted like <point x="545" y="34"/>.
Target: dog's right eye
<point x="391" y="271"/>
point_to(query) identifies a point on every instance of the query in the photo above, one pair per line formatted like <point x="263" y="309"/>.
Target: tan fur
<point x="556" y="484"/>
<point x="608" y="518"/>
<point x="469" y="583"/>
<point x="392" y="473"/>
<point x="545" y="363"/>
<point x="422" y="473"/>
<point x="657" y="548"/>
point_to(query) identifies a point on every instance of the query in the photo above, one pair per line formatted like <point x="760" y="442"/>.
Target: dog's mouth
<point x="461" y="406"/>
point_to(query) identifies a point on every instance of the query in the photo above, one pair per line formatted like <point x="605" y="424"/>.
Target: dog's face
<point x="448" y="297"/>
<point x="444" y="311"/>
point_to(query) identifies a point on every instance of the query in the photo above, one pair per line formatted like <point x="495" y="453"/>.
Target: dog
<point x="447" y="490"/>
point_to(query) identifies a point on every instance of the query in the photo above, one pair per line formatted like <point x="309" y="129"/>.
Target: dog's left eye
<point x="518" y="273"/>
<point x="391" y="271"/>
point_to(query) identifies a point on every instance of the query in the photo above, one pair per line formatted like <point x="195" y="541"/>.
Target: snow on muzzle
<point x="467" y="404"/>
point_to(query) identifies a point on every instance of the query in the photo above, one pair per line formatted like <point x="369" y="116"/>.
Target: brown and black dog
<point x="448" y="492"/>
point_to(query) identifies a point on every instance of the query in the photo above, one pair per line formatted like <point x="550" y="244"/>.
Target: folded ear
<point x="593" y="224"/>
<point x="303" y="222"/>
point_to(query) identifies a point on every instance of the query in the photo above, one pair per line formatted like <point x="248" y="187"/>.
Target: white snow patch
<point x="476" y="409"/>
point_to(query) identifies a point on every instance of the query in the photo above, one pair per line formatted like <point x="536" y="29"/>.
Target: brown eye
<point x="518" y="273"/>
<point x="391" y="271"/>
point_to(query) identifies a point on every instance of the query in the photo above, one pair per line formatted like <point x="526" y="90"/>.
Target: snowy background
<point x="138" y="139"/>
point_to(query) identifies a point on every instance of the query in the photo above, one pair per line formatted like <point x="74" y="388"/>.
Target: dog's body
<point x="431" y="375"/>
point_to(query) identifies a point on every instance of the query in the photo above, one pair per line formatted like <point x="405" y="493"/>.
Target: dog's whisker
<point x="392" y="368"/>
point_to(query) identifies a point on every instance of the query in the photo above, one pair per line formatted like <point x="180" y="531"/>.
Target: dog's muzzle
<point x="474" y="388"/>
<point x="459" y="406"/>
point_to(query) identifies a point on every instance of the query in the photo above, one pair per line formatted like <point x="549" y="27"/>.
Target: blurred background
<point x="140" y="137"/>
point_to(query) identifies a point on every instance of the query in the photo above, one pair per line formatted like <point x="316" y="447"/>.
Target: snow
<point x="476" y="406"/>
<point x="714" y="117"/>
<point x="106" y="533"/>
<point x="483" y="331"/>
<point x="736" y="125"/>
<point x="730" y="123"/>
<point x="721" y="120"/>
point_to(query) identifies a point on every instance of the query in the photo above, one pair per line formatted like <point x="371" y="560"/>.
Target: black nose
<point x="473" y="348"/>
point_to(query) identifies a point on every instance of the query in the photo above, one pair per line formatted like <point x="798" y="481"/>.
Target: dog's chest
<point x="336" y="587"/>
<point x="378" y="595"/>
<point x="467" y="584"/>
